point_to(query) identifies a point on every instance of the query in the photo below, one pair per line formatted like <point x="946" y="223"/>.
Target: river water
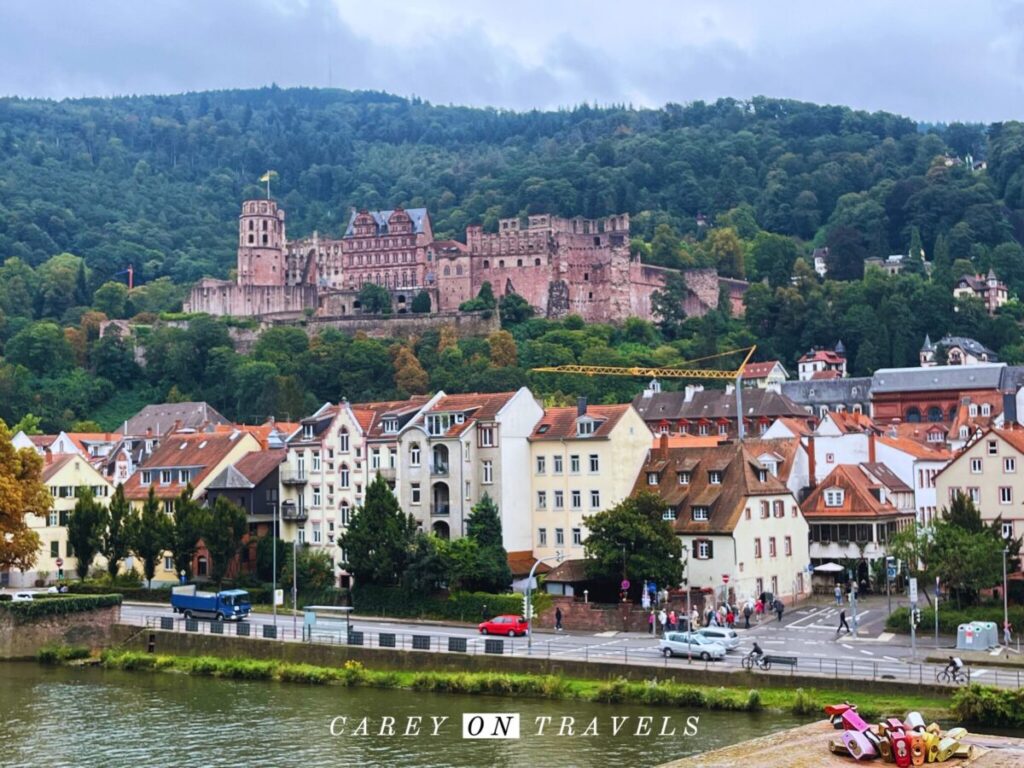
<point x="54" y="716"/>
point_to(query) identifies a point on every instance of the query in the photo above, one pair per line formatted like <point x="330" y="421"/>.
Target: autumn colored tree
<point x="410" y="377"/>
<point x="448" y="338"/>
<point x="502" y="349"/>
<point x="21" y="492"/>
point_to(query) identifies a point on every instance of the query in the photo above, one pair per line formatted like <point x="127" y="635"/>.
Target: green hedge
<point x="990" y="706"/>
<point x="33" y="609"/>
<point x="459" y="606"/>
<point x="950" y="619"/>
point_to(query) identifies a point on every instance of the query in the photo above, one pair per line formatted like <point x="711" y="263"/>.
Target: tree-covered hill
<point x="156" y="181"/>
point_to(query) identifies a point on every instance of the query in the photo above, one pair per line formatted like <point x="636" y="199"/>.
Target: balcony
<point x="290" y="512"/>
<point x="439" y="469"/>
<point x="293" y="477"/>
<point x="440" y="510"/>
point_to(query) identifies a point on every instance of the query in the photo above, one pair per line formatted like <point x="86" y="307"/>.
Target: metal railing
<point x="432" y="639"/>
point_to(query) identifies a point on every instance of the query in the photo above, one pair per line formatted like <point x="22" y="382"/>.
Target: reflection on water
<point x="73" y="717"/>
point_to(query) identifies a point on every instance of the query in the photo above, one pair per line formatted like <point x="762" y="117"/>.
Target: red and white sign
<point x="60" y="561"/>
<point x="725" y="578"/>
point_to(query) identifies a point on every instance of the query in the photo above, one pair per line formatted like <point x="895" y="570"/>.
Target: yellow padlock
<point x="885" y="750"/>
<point x="836" y="746"/>
<point x="946" y="749"/>
<point x="964" y="751"/>
<point x="956" y="733"/>
<point x="934" y="728"/>
<point x="931" y="746"/>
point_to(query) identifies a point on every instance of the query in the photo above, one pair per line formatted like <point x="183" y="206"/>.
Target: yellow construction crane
<point x="671" y="373"/>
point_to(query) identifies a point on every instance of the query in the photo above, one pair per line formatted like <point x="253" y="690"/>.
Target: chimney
<point x="1009" y="410"/>
<point x="811" y="466"/>
<point x="690" y="390"/>
<point x="663" y="446"/>
<point x="49" y="455"/>
<point x="177" y="425"/>
<point x="149" y="431"/>
<point x="871" y="446"/>
<point x="581" y="406"/>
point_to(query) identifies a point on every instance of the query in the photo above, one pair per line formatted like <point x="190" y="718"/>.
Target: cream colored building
<point x="740" y="523"/>
<point x="990" y="471"/>
<point x="582" y="460"/>
<point x="63" y="475"/>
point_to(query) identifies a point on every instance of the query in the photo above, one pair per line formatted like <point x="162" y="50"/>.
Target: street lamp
<point x="529" y="598"/>
<point x="1006" y="614"/>
<point x="689" y="616"/>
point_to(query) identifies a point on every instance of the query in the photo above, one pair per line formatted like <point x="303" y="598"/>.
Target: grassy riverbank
<point x="652" y="692"/>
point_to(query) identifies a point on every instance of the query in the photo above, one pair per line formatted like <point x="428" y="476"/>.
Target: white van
<point x="725" y="637"/>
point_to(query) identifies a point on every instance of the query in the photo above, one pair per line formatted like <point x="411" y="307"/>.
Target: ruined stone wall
<point x="222" y="297"/>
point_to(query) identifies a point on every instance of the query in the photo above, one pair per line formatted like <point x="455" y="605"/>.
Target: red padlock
<point x="901" y="744"/>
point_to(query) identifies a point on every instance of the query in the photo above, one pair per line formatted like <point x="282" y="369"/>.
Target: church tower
<point x="261" y="241"/>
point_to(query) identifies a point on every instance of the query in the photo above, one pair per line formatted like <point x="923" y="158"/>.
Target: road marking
<point x="613" y="633"/>
<point x="867" y="653"/>
<point x="890" y="658"/>
<point x="979" y="673"/>
<point x="847" y="647"/>
<point x="885" y="637"/>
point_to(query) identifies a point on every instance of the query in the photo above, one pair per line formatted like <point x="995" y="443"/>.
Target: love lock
<point x="917" y="749"/>
<point x="914" y="721"/>
<point x="854" y="722"/>
<point x="859" y="746"/>
<point x="901" y="748"/>
<point x="947" y="747"/>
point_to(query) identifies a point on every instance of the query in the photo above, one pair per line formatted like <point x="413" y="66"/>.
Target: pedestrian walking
<point x="758" y="610"/>
<point x="650" y="623"/>
<point x="673" y="620"/>
<point x="779" y="608"/>
<point x="730" y="619"/>
<point x="694" y="620"/>
<point x="1007" y="633"/>
<point x="839" y="595"/>
<point x="558" y="619"/>
<point x="746" y="616"/>
<point x="842" y="623"/>
<point x="663" y="620"/>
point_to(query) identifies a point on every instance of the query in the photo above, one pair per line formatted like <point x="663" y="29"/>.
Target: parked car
<point x="694" y="644"/>
<point x="504" y="625"/>
<point x="21" y="597"/>
<point x="725" y="637"/>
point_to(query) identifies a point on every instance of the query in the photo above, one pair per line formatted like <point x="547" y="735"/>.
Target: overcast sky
<point x="939" y="60"/>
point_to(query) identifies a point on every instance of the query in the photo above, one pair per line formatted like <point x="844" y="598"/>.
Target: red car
<point x="504" y="625"/>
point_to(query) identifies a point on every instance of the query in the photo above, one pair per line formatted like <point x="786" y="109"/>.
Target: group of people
<point x="669" y="621"/>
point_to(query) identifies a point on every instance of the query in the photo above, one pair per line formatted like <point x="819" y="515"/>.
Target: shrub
<point x="370" y="599"/>
<point x="57" y="654"/>
<point x="33" y="609"/>
<point x="754" y="703"/>
<point x="990" y="706"/>
<point x="803" y="704"/>
<point x="950" y="618"/>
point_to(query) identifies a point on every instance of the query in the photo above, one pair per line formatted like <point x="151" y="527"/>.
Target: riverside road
<point x="807" y="633"/>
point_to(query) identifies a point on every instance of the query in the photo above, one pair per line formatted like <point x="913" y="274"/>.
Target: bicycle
<point x="950" y="674"/>
<point x="752" y="659"/>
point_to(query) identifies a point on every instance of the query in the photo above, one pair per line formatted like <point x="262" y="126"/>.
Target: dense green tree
<point x="117" y="525"/>
<point x="312" y="568"/>
<point x="514" y="309"/>
<point x="265" y="557"/>
<point x="421" y="303"/>
<point x="188" y="521"/>
<point x="667" y="305"/>
<point x="85" y="530"/>
<point x="42" y="348"/>
<point x="374" y="299"/>
<point x="151" y="535"/>
<point x="224" y="527"/>
<point x="427" y="570"/>
<point x="633" y="541"/>
<point x="378" y="541"/>
<point x="483" y="526"/>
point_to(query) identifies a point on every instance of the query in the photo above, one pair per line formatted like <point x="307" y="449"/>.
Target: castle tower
<point x="261" y="241"/>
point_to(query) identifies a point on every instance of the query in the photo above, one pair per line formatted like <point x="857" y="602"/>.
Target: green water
<point x="90" y="717"/>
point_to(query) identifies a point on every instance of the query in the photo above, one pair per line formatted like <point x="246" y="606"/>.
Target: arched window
<point x="414" y="455"/>
<point x="343" y="440"/>
<point x="913" y="415"/>
<point x="447" y="271"/>
<point x="487" y="263"/>
<point x="458" y="269"/>
<point x="934" y="413"/>
<point x="344" y="476"/>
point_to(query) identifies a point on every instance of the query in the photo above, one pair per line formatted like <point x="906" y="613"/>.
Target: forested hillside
<point x="89" y="187"/>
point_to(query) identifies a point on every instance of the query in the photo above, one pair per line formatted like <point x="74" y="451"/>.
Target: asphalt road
<point x="808" y="633"/>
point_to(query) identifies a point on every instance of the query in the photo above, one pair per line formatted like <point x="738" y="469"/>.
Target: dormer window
<point x="762" y="475"/>
<point x="584" y="427"/>
<point x="986" y="410"/>
<point x="652" y="478"/>
<point x="438" y="423"/>
<point x="700" y="514"/>
<point x="460" y="418"/>
<point x="147" y="477"/>
<point x="715" y="477"/>
<point x="684" y="478"/>
<point x="972" y="410"/>
<point x="964" y="432"/>
<point x="935" y="437"/>
<point x="669" y="514"/>
<point x="165" y="477"/>
<point x="390" y="426"/>
<point x="834" y="497"/>
<point x="307" y="431"/>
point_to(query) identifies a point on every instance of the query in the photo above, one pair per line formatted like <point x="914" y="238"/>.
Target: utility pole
<point x="295" y="588"/>
<point x="1006" y="612"/>
<point x="273" y="541"/>
<point x="936" y="611"/>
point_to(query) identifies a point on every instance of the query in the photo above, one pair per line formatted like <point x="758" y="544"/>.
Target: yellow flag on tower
<point x="268" y="176"/>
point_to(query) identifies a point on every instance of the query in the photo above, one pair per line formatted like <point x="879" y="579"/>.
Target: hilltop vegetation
<point x="89" y="187"/>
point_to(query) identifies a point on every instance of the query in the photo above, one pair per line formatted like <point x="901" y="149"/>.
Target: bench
<point x="790" y="661"/>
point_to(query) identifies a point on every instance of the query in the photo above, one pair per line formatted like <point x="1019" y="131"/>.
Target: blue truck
<point x="227" y="605"/>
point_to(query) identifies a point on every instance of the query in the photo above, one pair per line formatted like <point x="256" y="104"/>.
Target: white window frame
<point x="1005" y="494"/>
<point x="977" y="465"/>
<point x="594" y="462"/>
<point x="542" y="499"/>
<point x="595" y="499"/>
<point x="1009" y="465"/>
<point x="542" y="465"/>
<point x="415" y="494"/>
<point x="700" y="514"/>
<point x="487" y="468"/>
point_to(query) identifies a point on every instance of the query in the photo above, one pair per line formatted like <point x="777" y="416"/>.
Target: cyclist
<point x="955" y="665"/>
<point x="757" y="652"/>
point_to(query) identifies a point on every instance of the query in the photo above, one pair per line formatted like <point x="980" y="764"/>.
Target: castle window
<point x="597" y="240"/>
<point x="536" y="262"/>
<point x="264" y="239"/>
<point x="251" y="224"/>
<point x="501" y="263"/>
<point x="447" y="271"/>
<point x="586" y="275"/>
<point x="487" y="264"/>
<point x="458" y="269"/>
<point x="251" y="239"/>
<point x="519" y="262"/>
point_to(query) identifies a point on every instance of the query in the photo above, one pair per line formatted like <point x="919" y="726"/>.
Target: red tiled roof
<point x="42" y="441"/>
<point x="849" y="422"/>
<point x="477" y="406"/>
<point x="81" y="438"/>
<point x="823" y="355"/>
<point x="858" y="499"/>
<point x="258" y="464"/>
<point x="917" y="449"/>
<point x="560" y="423"/>
<point x="826" y="375"/>
<point x="759" y="370"/>
<point x="798" y="427"/>
<point x="56" y="463"/>
<point x="521" y="562"/>
<point x="201" y="450"/>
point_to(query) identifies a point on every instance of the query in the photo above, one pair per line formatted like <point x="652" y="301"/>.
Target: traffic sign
<point x="725" y="578"/>
<point x="913" y="590"/>
<point x="625" y="584"/>
<point x="891" y="572"/>
<point x="60" y="561"/>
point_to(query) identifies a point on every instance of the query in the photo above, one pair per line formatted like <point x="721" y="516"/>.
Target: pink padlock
<point x="859" y="746"/>
<point x="854" y="722"/>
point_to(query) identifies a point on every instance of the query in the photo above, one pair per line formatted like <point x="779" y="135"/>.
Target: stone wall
<point x="223" y="297"/>
<point x="22" y="638"/>
<point x="403" y="326"/>
<point x="183" y="644"/>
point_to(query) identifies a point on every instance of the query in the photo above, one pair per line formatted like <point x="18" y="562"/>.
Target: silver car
<point x="690" y="644"/>
<point x="724" y="636"/>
